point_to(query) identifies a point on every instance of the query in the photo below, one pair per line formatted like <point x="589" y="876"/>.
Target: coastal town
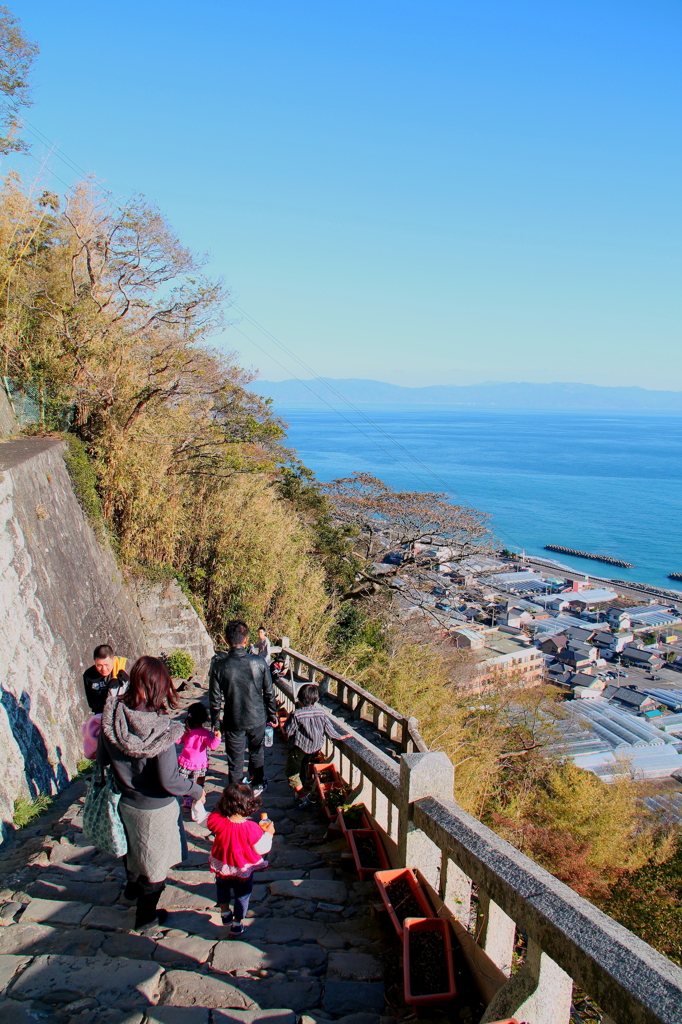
<point x="613" y="652"/>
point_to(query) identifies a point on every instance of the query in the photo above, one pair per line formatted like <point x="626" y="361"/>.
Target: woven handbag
<point x="102" y="823"/>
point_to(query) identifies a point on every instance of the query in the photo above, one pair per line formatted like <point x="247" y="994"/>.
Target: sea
<point x="607" y="483"/>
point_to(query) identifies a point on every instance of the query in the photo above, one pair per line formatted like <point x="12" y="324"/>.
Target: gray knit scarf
<point x="138" y="733"/>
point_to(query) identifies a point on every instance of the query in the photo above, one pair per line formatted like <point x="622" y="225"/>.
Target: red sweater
<point x="238" y="846"/>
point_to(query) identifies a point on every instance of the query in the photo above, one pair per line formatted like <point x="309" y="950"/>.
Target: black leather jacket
<point x="241" y="682"/>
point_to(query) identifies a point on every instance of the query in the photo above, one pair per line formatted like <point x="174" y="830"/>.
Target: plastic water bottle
<point x="269" y="735"/>
<point x="264" y="821"/>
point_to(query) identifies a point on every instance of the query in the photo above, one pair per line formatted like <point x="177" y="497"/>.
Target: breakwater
<point x="587" y="554"/>
<point x="675" y="575"/>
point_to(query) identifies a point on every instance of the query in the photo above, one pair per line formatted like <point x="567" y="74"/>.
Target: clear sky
<point x="419" y="192"/>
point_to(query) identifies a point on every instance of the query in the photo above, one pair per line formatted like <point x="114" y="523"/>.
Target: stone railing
<point x="361" y="703"/>
<point x="490" y="892"/>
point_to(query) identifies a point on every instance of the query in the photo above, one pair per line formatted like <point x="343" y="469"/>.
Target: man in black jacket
<point x="239" y="684"/>
<point x="106" y="674"/>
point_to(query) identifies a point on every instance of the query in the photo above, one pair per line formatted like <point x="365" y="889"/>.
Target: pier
<point x="595" y="558"/>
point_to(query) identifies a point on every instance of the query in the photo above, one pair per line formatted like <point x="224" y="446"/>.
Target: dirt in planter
<point x="428" y="964"/>
<point x="353" y="819"/>
<point x="367" y="852"/>
<point x="403" y="899"/>
<point x="326" y="776"/>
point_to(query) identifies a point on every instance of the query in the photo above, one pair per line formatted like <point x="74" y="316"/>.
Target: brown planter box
<point x="384" y="879"/>
<point x="367" y="834"/>
<point x="418" y="925"/>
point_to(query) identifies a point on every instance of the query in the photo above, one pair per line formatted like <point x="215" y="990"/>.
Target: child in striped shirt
<point x="306" y="728"/>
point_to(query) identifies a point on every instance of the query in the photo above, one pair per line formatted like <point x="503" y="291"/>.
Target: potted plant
<point x="403" y="896"/>
<point x="334" y="795"/>
<point x="429" y="973"/>
<point x="352" y="816"/>
<point x="368" y="852"/>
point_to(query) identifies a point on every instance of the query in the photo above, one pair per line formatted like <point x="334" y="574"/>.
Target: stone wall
<point x="170" y="623"/>
<point x="61" y="594"/>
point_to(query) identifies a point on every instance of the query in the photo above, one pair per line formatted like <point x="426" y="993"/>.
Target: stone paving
<point x="313" y="949"/>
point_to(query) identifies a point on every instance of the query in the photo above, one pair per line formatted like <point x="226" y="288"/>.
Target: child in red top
<point x="196" y="742"/>
<point x="237" y="851"/>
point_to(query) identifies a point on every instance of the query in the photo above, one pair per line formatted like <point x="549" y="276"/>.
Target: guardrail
<point x="490" y="891"/>
<point x="364" y="705"/>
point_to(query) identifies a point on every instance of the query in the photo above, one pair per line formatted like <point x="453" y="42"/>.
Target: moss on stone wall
<point x="84" y="482"/>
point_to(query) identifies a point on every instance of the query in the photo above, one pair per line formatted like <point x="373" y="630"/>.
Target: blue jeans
<point x="240" y="888"/>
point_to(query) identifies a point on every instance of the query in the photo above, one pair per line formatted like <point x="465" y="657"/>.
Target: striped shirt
<point x="307" y="727"/>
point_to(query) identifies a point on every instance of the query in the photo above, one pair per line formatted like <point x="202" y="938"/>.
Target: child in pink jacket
<point x="196" y="742"/>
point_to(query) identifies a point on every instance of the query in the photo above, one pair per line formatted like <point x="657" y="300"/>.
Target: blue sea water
<point x="600" y="482"/>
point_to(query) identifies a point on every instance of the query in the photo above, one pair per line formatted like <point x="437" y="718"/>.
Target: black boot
<point x="133" y="890"/>
<point x="146" y="909"/>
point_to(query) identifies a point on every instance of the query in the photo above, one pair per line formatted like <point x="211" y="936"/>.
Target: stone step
<point x="66" y="942"/>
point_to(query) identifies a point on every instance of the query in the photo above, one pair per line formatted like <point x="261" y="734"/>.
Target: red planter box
<point x="383" y="880"/>
<point x="324" y="789"/>
<point x="364" y="823"/>
<point x="415" y="925"/>
<point x="352" y="835"/>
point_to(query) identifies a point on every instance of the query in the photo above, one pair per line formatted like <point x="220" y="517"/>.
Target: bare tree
<point x="403" y="537"/>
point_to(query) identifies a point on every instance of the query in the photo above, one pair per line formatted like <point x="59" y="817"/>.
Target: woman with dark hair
<point x="138" y="739"/>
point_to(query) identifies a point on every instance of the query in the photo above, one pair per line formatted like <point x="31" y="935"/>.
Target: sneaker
<point x="237" y="928"/>
<point x="227" y="917"/>
<point x="260" y="788"/>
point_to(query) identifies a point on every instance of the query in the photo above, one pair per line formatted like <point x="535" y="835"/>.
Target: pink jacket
<point x="195" y="744"/>
<point x="91" y="730"/>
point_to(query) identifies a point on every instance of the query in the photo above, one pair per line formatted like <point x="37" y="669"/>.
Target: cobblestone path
<point x="312" y="949"/>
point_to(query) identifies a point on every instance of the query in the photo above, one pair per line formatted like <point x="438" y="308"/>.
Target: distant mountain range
<point x="509" y="396"/>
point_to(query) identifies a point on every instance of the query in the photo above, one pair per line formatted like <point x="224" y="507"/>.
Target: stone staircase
<point x="313" y="949"/>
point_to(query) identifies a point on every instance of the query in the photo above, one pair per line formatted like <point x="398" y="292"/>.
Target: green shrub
<point x="26" y="810"/>
<point x="83" y="766"/>
<point x="180" y="664"/>
<point x="84" y="482"/>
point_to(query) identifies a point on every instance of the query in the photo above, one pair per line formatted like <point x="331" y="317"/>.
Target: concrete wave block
<point x="125" y="984"/>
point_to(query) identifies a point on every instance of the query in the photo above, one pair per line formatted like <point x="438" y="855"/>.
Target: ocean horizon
<point x="604" y="482"/>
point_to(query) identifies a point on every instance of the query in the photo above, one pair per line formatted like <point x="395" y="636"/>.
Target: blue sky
<point x="422" y="192"/>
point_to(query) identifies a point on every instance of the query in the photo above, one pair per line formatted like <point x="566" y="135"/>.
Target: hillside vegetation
<point x="105" y="318"/>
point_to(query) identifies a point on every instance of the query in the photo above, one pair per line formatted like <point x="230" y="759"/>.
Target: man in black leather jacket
<point x="240" y="685"/>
